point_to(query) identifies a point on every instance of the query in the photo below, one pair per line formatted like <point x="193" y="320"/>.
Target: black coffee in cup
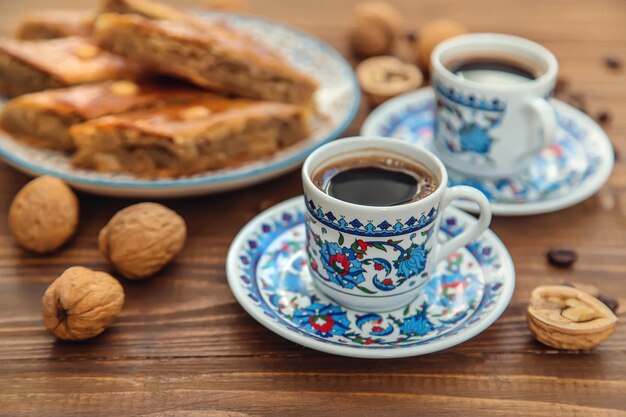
<point x="375" y="180"/>
<point x="494" y="69"/>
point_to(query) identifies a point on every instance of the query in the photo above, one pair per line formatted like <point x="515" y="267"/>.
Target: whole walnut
<point x="81" y="303"/>
<point x="43" y="215"/>
<point x="141" y="239"/>
<point x="374" y="28"/>
<point x="432" y="34"/>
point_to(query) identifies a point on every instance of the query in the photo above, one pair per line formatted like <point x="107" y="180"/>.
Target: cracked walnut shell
<point x="141" y="239"/>
<point x="81" y="303"/>
<point x="43" y="215"/>
<point x="568" y="318"/>
<point x="384" y="77"/>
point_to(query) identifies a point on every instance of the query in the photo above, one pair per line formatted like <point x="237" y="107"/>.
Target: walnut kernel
<point x="141" y="239"/>
<point x="81" y="303"/>
<point x="43" y="215"/>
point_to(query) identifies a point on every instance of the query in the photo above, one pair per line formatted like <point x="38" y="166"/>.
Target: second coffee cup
<point x="493" y="115"/>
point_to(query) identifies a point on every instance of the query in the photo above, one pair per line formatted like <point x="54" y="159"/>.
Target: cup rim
<point x="365" y="142"/>
<point x="501" y="39"/>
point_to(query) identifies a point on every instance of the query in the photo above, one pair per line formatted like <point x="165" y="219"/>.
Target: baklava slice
<point x="214" y="56"/>
<point x="29" y="66"/>
<point x="52" y="24"/>
<point x="184" y="139"/>
<point x="145" y="8"/>
<point x="44" y="118"/>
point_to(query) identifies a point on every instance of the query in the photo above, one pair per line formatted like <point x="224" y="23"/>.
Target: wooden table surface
<point x="184" y="347"/>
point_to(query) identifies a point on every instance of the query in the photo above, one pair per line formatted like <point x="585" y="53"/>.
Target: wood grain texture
<point x="183" y="346"/>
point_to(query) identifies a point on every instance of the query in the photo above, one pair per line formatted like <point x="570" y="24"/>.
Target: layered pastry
<point x="213" y="56"/>
<point x="145" y="8"/>
<point x="51" y="24"/>
<point x="29" y="66"/>
<point x="183" y="139"/>
<point x="44" y="118"/>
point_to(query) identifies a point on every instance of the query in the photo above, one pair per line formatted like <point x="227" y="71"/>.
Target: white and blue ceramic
<point x="337" y="98"/>
<point x="268" y="274"/>
<point x="490" y="126"/>
<point x="564" y="174"/>
<point x="371" y="258"/>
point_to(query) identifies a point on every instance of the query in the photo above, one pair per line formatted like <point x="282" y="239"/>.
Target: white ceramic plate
<point x="560" y="176"/>
<point x="338" y="99"/>
<point x="267" y="273"/>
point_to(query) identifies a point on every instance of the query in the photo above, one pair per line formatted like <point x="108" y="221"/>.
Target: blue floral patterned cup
<point x="486" y="128"/>
<point x="379" y="258"/>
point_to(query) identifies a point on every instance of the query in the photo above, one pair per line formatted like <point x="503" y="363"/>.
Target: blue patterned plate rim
<point x="264" y="170"/>
<point x="589" y="185"/>
<point x="463" y="332"/>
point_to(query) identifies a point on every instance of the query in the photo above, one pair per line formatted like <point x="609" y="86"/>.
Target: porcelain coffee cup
<point x="489" y="129"/>
<point x="379" y="258"/>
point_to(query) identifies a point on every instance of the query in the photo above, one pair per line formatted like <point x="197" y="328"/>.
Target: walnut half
<point x="384" y="77"/>
<point x="568" y="318"/>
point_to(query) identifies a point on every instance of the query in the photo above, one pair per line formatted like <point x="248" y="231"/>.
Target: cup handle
<point x="544" y="111"/>
<point x="474" y="231"/>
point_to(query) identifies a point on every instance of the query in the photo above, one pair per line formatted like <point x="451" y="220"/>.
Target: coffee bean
<point x="613" y="62"/>
<point x="611" y="303"/>
<point x="562" y="256"/>
<point x="604" y="117"/>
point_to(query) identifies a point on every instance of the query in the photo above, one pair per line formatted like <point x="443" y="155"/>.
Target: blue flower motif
<point x="417" y="325"/>
<point x="413" y="262"/>
<point x="342" y="265"/>
<point x="324" y="320"/>
<point x="475" y="139"/>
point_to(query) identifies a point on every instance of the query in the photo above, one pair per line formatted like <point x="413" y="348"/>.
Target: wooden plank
<point x="183" y="346"/>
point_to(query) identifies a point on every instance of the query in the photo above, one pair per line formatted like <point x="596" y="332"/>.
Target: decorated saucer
<point x="337" y="99"/>
<point x="560" y="176"/>
<point x="268" y="274"/>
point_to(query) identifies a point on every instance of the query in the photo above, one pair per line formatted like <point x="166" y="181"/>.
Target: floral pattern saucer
<point x="562" y="175"/>
<point x="268" y="274"/>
